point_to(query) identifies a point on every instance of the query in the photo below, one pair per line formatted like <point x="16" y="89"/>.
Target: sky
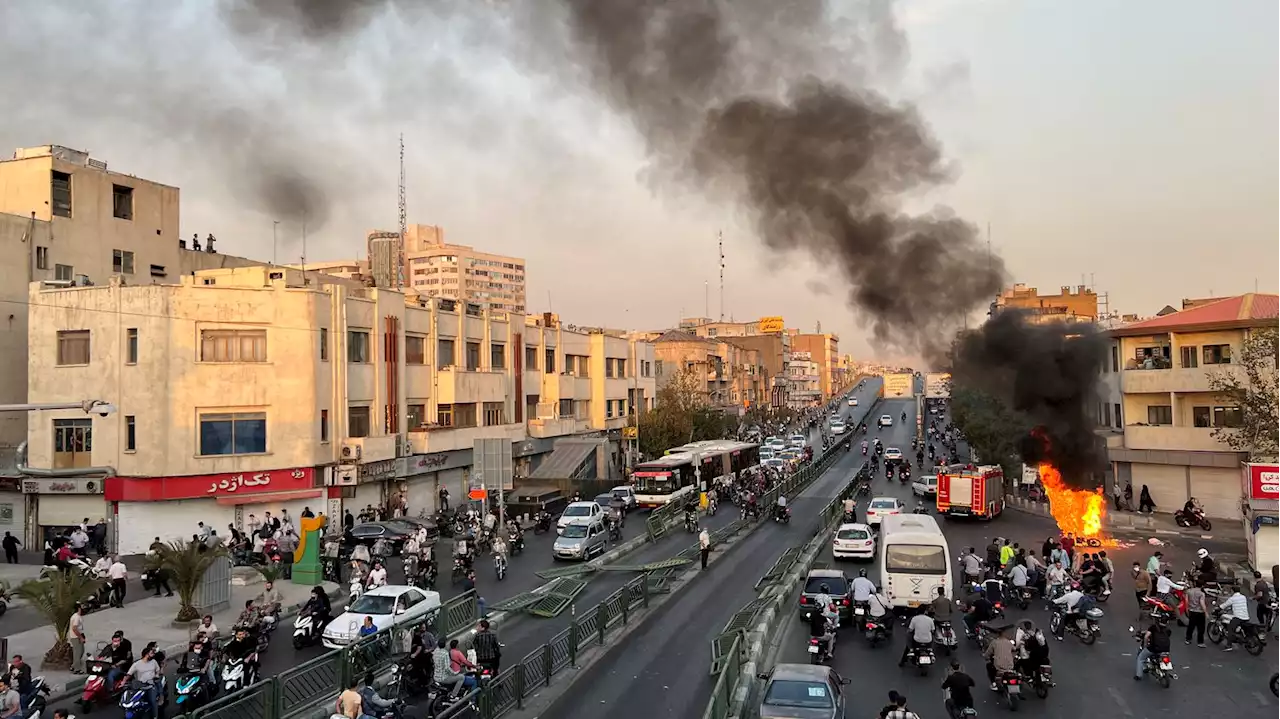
<point x="1131" y="146"/>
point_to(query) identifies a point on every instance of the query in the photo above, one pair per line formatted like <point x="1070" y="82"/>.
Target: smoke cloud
<point x="1048" y="372"/>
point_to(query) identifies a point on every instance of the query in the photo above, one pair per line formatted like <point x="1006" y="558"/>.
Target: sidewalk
<point x="145" y="621"/>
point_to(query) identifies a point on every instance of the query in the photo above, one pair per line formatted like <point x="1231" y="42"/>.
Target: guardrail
<point x="297" y="691"/>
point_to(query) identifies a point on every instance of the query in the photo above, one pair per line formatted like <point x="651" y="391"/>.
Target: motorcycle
<point x="306" y="630"/>
<point x="921" y="657"/>
<point x="515" y="543"/>
<point x="1023" y="596"/>
<point x="712" y="505"/>
<point x="877" y="630"/>
<point x="192" y="690"/>
<point x="615" y="530"/>
<point x="500" y="566"/>
<point x="355" y="589"/>
<point x="956" y="713"/>
<point x="237" y="674"/>
<point x="39" y="700"/>
<point x="1194" y="518"/>
<point x="945" y="637"/>
<point x="96" y="691"/>
<point x="782" y="515"/>
<point x="1009" y="687"/>
<point x="1042" y="679"/>
<point x="134" y="699"/>
<point x="459" y="570"/>
<point x="542" y="524"/>
<point x="1159" y="665"/>
<point x="819" y="651"/>
<point x="690" y="522"/>
<point x="1247" y="633"/>
<point x="1096" y="588"/>
<point x="1086" y="630"/>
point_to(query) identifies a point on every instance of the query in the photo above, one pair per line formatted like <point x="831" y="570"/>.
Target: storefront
<point x="1260" y="488"/>
<point x="56" y="504"/>
<point x="172" y="507"/>
<point x="13" y="509"/>
<point x="419" y="478"/>
<point x="371" y="489"/>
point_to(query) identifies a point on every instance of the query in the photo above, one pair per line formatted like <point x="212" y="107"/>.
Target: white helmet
<point x="1202" y="552"/>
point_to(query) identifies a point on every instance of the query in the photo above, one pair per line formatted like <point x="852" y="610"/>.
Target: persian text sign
<point x="1262" y="481"/>
<point x="770" y="325"/>
<point x="142" y="489"/>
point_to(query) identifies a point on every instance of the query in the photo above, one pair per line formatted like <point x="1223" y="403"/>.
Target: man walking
<point x="11" y="545"/>
<point x="704" y="544"/>
<point x="77" y="640"/>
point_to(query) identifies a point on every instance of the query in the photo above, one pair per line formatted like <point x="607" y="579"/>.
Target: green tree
<point x="1255" y="393"/>
<point x="55" y="599"/>
<point x="187" y="563"/>
<point x="991" y="429"/>
<point x="681" y="415"/>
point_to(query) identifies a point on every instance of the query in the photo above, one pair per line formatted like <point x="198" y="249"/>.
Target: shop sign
<point x="378" y="471"/>
<point x="434" y="462"/>
<point x="1261" y="481"/>
<point x="62" y="486"/>
<point x="144" y="489"/>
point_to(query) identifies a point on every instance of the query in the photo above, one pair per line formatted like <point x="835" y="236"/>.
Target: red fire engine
<point x="969" y="491"/>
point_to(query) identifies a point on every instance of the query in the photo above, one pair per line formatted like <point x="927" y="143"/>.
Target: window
<point x="63" y="272"/>
<point x="1106" y="414"/>
<point x="237" y="433"/>
<point x="122" y="261"/>
<point x="608" y="409"/>
<point x="658" y="367"/>
<point x="444" y="415"/>
<point x="1158" y="414"/>
<point x="233" y="345"/>
<point x="494" y="413"/>
<point x="550" y="366"/>
<point x="324" y="344"/>
<point x="531" y="358"/>
<point x="1227" y="417"/>
<point x="915" y="559"/>
<point x="1217" y="354"/>
<point x="131" y="345"/>
<point x="158" y="271"/>
<point x="324" y="425"/>
<point x="473" y="356"/>
<point x="582" y="409"/>
<point x="531" y="406"/>
<point x="497" y="356"/>
<point x="42" y="258"/>
<point x="1200" y="417"/>
<point x="444" y="354"/>
<point x="130" y="434"/>
<point x="584" y="370"/>
<point x="72" y="443"/>
<point x="566" y="408"/>
<point x="464" y="415"/>
<point x="357" y="422"/>
<point x="122" y="202"/>
<point x="357" y="347"/>
<point x="1190" y="358"/>
<point x="1115" y="358"/>
<point x="415" y="350"/>
<point x="1117" y="414"/>
<point x="417" y="416"/>
<point x="609" y="367"/>
<point x="73" y="347"/>
<point x="60" y="190"/>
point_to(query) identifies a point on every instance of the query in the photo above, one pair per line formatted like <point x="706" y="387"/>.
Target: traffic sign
<point x="630" y="432"/>
<point x="478" y="495"/>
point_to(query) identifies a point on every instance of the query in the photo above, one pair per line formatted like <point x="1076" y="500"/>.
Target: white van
<point x="914" y="560"/>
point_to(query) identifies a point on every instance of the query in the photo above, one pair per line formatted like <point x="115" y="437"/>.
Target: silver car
<point x="803" y="691"/>
<point x="581" y="541"/>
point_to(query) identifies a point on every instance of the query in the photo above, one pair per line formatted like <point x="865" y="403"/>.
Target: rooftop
<point x="1242" y="311"/>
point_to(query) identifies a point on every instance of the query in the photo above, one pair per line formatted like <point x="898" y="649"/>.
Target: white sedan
<point x="893" y="453"/>
<point x="886" y="420"/>
<point x="837" y="427"/>
<point x="853" y="401"/>
<point x="854" y="541"/>
<point x="881" y="507"/>
<point x="798" y="441"/>
<point x="387" y="606"/>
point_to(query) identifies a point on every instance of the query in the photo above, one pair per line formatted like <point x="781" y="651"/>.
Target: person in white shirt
<point x="1018" y="575"/>
<point x="1055" y="577"/>
<point x="704" y="546"/>
<point x="377" y="575"/>
<point x="848" y="506"/>
<point x="101" y="567"/>
<point x="1069" y="602"/>
<point x="879" y="606"/>
<point x="1239" y="608"/>
<point x="920" y="634"/>
<point x="863" y="588"/>
<point x="118" y="574"/>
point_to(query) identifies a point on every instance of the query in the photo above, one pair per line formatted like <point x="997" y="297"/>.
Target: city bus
<point x="679" y="473"/>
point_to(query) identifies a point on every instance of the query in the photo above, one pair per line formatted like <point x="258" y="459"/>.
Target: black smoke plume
<point x="1047" y="372"/>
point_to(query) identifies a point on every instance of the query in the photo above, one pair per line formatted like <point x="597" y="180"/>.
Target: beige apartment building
<point x="458" y="272"/>
<point x="823" y="350"/>
<point x="1080" y="305"/>
<point x="804" y="381"/>
<point x="1157" y="403"/>
<point x="244" y="390"/>
<point x="735" y="376"/>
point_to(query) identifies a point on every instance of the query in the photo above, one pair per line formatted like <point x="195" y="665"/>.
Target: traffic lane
<point x="668" y="663"/>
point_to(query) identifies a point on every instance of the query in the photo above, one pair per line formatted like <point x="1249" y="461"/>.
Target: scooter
<point x="1009" y="687"/>
<point x="691" y="523"/>
<point x="921" y="657"/>
<point x="192" y="690"/>
<point x="819" y="651"/>
<point x="237" y="674"/>
<point x="38" y="701"/>
<point x="945" y="637"/>
<point x="500" y="566"/>
<point x="96" y="692"/>
<point x="877" y="630"/>
<point x="782" y="515"/>
<point x="134" y="699"/>
<point x="355" y="589"/>
<point x="1086" y="630"/>
<point x="306" y="630"/>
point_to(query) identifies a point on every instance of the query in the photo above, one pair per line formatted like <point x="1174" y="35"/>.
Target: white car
<point x="881" y="507"/>
<point x="837" y="427"/>
<point x="853" y="401"/>
<point x="776" y="444"/>
<point x="627" y="494"/>
<point x="765" y="453"/>
<point x="579" y="512"/>
<point x="387" y="605"/>
<point x="854" y="541"/>
<point x="925" y="486"/>
<point x="774" y="463"/>
<point x="893" y="453"/>
<point x="799" y="441"/>
<point x="886" y="420"/>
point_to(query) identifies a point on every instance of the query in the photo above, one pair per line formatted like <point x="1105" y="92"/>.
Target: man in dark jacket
<point x="488" y="649"/>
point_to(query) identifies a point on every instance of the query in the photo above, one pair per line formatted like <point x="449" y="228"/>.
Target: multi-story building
<point x="246" y="390"/>
<point x="804" y="385"/>
<point x="824" y="350"/>
<point x="1078" y="306"/>
<point x="734" y="374"/>
<point x="1156" y="391"/>
<point x="462" y="273"/>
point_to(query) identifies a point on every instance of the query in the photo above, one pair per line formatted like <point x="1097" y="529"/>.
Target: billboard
<point x="937" y="385"/>
<point x="1261" y="481"/>
<point x="899" y="385"/>
<point x="769" y="325"/>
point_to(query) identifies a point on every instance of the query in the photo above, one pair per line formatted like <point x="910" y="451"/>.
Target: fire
<point x="1077" y="511"/>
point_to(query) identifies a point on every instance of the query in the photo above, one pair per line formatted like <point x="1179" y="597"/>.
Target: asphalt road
<point x="666" y="664"/>
<point x="21" y="618"/>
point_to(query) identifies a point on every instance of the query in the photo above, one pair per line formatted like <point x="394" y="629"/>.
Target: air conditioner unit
<point x="351" y="451"/>
<point x="344" y="476"/>
<point x="402" y="446"/>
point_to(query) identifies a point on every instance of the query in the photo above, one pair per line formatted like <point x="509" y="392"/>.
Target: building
<point x="1078" y="306"/>
<point x="824" y="350"/>
<point x="1160" y="410"/>
<point x="734" y="375"/>
<point x="253" y="389"/>
<point x="804" y="386"/>
<point x="458" y="272"/>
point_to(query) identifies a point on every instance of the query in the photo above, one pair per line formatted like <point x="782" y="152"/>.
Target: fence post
<point x="520" y="682"/>
<point x="602" y="620"/>
<point x="644" y="590"/>
<point x="546" y="665"/>
<point x="573" y="638"/>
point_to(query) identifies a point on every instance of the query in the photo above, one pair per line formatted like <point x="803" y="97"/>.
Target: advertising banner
<point x="770" y="325"/>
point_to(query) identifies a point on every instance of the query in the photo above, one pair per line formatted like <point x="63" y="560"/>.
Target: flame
<point x="1077" y="511"/>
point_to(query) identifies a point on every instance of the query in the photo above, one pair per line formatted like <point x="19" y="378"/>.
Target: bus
<point x="914" y="560"/>
<point x="678" y="473"/>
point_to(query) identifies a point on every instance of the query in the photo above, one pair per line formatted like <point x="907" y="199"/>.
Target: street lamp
<point x="102" y="408"/>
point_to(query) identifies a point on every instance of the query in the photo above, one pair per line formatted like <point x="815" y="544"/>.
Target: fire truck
<point x="965" y="490"/>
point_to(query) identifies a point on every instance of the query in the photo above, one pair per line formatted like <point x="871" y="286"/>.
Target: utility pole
<point x="401" y="272"/>
<point x="720" y="237"/>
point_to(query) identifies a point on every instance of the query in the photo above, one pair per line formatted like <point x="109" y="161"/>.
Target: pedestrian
<point x="100" y="535"/>
<point x="444" y="498"/>
<point x="1145" y="502"/>
<point x="11" y="545"/>
<point x="254" y="524"/>
<point x="77" y="640"/>
<point x="1197" y="608"/>
<point x="348" y="521"/>
<point x="119" y="575"/>
<point x="704" y="545"/>
<point x="307" y="513"/>
<point x="1117" y="493"/>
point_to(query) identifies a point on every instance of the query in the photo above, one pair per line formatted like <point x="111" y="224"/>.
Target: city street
<point x="666" y="662"/>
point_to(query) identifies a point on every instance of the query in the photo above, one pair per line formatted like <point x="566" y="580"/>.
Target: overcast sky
<point x="1132" y="144"/>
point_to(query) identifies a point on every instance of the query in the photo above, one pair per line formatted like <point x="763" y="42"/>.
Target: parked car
<point x="812" y="691"/>
<point x="854" y="541"/>
<point x="388" y="605"/>
<point x="579" y="512"/>
<point x="581" y="540"/>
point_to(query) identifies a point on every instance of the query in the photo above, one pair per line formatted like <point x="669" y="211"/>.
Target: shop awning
<point x="269" y="497"/>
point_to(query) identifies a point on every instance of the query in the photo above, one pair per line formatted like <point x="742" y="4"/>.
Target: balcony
<point x="373" y="449"/>
<point x="560" y="427"/>
<point x="445" y="439"/>
<point x="1176" y="379"/>
<point x="457" y="386"/>
<point x="1184" y="439"/>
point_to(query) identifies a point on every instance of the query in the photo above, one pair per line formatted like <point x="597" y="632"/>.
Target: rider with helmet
<point x="1207" y="569"/>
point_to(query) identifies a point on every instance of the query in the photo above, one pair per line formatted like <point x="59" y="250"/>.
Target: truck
<point x="971" y="491"/>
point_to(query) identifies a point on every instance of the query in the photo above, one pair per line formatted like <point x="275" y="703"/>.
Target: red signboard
<point x="651" y="474"/>
<point x="1262" y="481"/>
<point x="213" y="486"/>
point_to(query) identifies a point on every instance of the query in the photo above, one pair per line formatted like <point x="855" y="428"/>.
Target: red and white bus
<point x="684" y="469"/>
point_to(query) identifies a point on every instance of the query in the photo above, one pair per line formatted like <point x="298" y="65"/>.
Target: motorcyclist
<point x="515" y="535"/>
<point x="243" y="647"/>
<point x="373" y="705"/>
<point x="941" y="607"/>
<point x="980" y="610"/>
<point x="199" y="657"/>
<point x="821" y="628"/>
<point x="850" y="509"/>
<point x="1207" y="569"/>
<point x="499" y="549"/>
<point x="920" y="634"/>
<point x="1154" y="641"/>
<point x="1000" y="659"/>
<point x="619" y="509"/>
<point x="269" y="603"/>
<point x="120" y="652"/>
<point x="972" y="566"/>
<point x="993" y="587"/>
<point x="146" y="671"/>
<point x="823" y="600"/>
<point x="780" y="509"/>
<point x="958" y="686"/>
<point x="691" y="513"/>
<point x="1032" y="648"/>
<point x="377" y="576"/>
<point x="1018" y="576"/>
<point x="319" y="607"/>
<point x="864" y="447"/>
<point x="488" y="648"/>
<point x="862" y="587"/>
<point x="1069" y="601"/>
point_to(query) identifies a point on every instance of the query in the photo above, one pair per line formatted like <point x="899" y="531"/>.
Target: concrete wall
<point x="18" y="238"/>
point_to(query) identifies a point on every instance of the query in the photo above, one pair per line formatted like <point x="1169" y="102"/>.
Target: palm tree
<point x="55" y="597"/>
<point x="187" y="563"/>
<point x="271" y="572"/>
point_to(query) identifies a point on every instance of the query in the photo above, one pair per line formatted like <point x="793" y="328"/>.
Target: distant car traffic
<point x="893" y="453"/>
<point x="812" y="691"/>
<point x="799" y="441"/>
<point x="394" y="532"/>
<point x="854" y="541"/>
<point x="581" y="540"/>
<point x="777" y="444"/>
<point x="885" y="421"/>
<point x="837" y="426"/>
<point x="387" y="605"/>
<point x="578" y="512"/>
<point x="881" y="507"/>
<point x="627" y="494"/>
<point x="853" y="401"/>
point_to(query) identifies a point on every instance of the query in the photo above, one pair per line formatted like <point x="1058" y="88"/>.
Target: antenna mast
<point x="400" y="269"/>
<point x="720" y="237"/>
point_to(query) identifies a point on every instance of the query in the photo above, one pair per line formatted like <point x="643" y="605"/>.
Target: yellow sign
<point x="630" y="432"/>
<point x="770" y="324"/>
